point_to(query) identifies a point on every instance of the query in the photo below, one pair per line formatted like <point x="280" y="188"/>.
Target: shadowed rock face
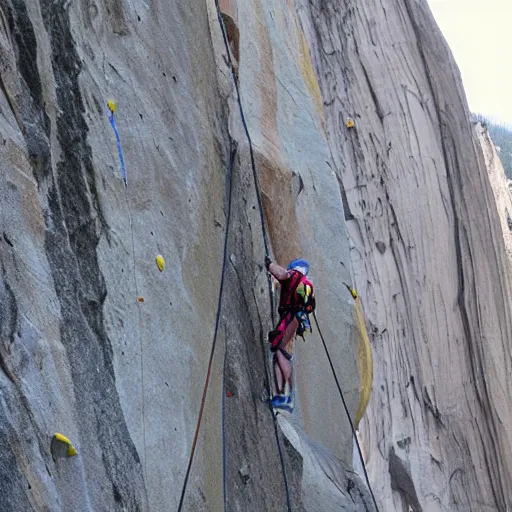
<point x="402" y="201"/>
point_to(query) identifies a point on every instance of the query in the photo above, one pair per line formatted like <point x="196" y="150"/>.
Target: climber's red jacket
<point x="293" y="299"/>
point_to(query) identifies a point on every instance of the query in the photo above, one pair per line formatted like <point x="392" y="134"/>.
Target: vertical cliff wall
<point x="428" y="255"/>
<point x="96" y="343"/>
<point x="100" y="345"/>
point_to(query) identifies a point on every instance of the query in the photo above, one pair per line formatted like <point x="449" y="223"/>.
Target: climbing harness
<point x="297" y="301"/>
<point x="214" y="343"/>
<point x="347" y="412"/>
<point x="286" y="354"/>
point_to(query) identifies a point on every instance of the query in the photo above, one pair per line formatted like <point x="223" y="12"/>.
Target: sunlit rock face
<point x="428" y="255"/>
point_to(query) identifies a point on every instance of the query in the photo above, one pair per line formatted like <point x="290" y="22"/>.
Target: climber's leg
<point x="282" y="359"/>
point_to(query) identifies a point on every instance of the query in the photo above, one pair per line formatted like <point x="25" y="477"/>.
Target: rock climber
<point x="296" y="301"/>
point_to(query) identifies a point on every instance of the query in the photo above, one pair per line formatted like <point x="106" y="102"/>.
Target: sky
<point x="479" y="33"/>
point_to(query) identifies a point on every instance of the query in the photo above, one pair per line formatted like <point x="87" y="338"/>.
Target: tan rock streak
<point x="275" y="179"/>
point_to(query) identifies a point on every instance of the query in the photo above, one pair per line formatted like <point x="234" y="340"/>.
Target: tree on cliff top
<point x="501" y="135"/>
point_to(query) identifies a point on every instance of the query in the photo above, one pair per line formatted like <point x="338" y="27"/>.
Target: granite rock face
<point x="428" y="256"/>
<point x="98" y="344"/>
<point x="80" y="352"/>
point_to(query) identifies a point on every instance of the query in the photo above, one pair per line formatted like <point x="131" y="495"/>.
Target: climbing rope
<point x="265" y="242"/>
<point x="215" y="333"/>
<point x="346" y="410"/>
<point x="251" y="152"/>
<point x="112" y="109"/>
<point x="224" y="363"/>
<point x="143" y="403"/>
<point x="224" y="451"/>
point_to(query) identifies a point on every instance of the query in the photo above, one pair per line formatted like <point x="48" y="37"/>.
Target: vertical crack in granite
<point x="35" y="124"/>
<point x="8" y="323"/>
<point x="12" y="483"/>
<point x="25" y="39"/>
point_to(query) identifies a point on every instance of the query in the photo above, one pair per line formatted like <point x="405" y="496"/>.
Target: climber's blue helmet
<point x="301" y="265"/>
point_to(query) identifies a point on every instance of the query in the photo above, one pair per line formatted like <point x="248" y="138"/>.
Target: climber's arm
<point x="280" y="273"/>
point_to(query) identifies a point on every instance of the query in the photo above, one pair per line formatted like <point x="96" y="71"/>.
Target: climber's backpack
<point x="301" y="301"/>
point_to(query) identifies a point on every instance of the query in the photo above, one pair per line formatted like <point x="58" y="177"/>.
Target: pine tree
<point x="501" y="135"/>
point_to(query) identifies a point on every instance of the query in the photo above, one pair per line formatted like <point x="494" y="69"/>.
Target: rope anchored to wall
<point x="346" y="410"/>
<point x="215" y="333"/>
<point x="267" y="253"/>
<point x="265" y="243"/>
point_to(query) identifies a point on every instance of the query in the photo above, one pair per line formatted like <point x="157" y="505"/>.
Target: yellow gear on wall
<point x="160" y="262"/>
<point x="61" y="446"/>
<point x="364" y="357"/>
<point x="364" y="362"/>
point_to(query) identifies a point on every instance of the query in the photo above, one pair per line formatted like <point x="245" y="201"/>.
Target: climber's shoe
<point x="278" y="400"/>
<point x="284" y="402"/>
